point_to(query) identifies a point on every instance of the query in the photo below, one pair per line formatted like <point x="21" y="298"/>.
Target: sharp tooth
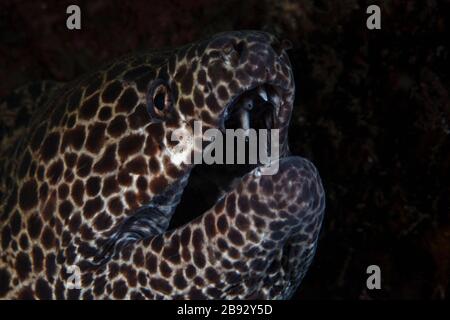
<point x="262" y="93"/>
<point x="245" y="120"/>
<point x="275" y="99"/>
<point x="269" y="122"/>
<point x="226" y="114"/>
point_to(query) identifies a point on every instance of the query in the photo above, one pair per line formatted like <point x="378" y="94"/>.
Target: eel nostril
<point x="235" y="50"/>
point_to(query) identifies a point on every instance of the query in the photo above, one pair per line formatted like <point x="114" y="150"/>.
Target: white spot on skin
<point x="182" y="151"/>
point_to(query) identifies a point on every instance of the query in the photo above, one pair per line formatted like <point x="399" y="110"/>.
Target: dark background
<point x="372" y="112"/>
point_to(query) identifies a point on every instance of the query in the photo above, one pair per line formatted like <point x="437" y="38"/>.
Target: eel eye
<point x="159" y="100"/>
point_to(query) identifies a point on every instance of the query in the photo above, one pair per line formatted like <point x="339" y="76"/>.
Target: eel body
<point x="89" y="182"/>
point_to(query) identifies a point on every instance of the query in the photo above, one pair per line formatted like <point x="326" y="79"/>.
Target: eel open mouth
<point x="256" y="108"/>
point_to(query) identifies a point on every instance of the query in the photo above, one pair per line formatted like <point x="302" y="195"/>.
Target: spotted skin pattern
<point x="88" y="179"/>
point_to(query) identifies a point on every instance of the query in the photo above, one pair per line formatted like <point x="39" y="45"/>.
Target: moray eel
<point x="89" y="184"/>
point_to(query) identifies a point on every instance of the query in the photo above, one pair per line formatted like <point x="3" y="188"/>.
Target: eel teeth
<point x="262" y="93"/>
<point x="275" y="99"/>
<point x="245" y="119"/>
